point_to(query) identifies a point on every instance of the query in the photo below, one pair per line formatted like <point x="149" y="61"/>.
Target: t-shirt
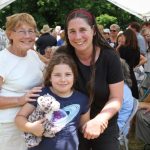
<point x="66" y="139"/>
<point x="108" y="71"/>
<point x="19" y="75"/>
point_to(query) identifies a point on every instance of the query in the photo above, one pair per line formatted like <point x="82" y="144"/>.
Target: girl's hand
<point x="93" y="128"/>
<point x="37" y="127"/>
<point x="31" y="95"/>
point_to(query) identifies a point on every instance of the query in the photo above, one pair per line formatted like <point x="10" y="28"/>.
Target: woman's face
<point x="80" y="35"/>
<point x="23" y="37"/>
<point x="121" y="40"/>
<point x="62" y="79"/>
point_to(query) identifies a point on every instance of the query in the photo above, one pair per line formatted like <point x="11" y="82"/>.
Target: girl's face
<point x="23" y="37"/>
<point x="80" y="35"/>
<point x="62" y="79"/>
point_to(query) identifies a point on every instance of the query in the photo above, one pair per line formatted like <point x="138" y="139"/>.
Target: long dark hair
<point x="131" y="39"/>
<point x="98" y="41"/>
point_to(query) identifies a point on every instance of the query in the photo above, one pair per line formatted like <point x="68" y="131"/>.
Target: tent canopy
<point x="4" y="3"/>
<point x="139" y="8"/>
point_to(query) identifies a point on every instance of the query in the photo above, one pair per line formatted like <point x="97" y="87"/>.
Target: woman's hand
<point x="93" y="128"/>
<point x="31" y="95"/>
<point x="145" y="106"/>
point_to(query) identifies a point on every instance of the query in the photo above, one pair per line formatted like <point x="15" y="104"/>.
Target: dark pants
<point x="107" y="141"/>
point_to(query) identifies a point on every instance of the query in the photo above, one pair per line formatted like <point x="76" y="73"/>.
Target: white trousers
<point x="11" y="138"/>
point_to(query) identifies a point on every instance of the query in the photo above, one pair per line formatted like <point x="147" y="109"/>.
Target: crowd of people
<point x="88" y="69"/>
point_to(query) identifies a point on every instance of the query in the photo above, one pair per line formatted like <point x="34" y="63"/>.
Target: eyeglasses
<point x="25" y="32"/>
<point x="112" y="30"/>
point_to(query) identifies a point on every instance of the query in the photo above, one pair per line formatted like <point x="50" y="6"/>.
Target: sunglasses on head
<point x="112" y="30"/>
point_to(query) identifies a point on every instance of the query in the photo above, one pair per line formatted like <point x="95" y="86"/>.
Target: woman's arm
<point x="22" y="123"/>
<point x="114" y="103"/>
<point x="8" y="102"/>
<point x="97" y="125"/>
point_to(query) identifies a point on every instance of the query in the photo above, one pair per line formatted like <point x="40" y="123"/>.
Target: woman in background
<point x="131" y="54"/>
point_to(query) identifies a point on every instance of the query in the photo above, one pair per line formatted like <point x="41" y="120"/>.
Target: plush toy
<point x="45" y="108"/>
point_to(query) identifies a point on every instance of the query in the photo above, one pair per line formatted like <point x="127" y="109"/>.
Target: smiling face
<point x="80" y="35"/>
<point x="121" y="40"/>
<point x="62" y="79"/>
<point x="22" y="37"/>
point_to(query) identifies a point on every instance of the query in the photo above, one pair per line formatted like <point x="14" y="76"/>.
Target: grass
<point x="134" y="143"/>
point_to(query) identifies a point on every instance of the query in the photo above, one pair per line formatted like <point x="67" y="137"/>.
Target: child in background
<point x="60" y="76"/>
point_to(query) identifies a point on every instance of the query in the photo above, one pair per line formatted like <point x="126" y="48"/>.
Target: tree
<point x="106" y="20"/>
<point x="54" y="12"/>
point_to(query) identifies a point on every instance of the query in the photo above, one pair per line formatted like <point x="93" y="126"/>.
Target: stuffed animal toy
<point x="45" y="108"/>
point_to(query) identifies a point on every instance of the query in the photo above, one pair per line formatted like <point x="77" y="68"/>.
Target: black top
<point x="108" y="71"/>
<point x="132" y="57"/>
<point x="67" y="139"/>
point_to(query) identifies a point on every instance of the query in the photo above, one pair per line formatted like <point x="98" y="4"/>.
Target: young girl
<point x="60" y="76"/>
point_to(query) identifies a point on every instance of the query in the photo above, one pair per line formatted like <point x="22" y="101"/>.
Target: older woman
<point x="20" y="70"/>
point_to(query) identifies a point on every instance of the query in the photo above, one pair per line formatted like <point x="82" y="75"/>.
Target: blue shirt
<point x="67" y="138"/>
<point x="126" y="108"/>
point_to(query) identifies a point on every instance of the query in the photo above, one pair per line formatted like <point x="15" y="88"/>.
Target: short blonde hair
<point x="17" y="20"/>
<point x="115" y="26"/>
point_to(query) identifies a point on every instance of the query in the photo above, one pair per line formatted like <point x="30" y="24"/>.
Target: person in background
<point x="143" y="121"/>
<point x="146" y="34"/>
<point x="136" y="27"/>
<point x="45" y="40"/>
<point x="16" y="78"/>
<point x="114" y="30"/>
<point x="129" y="51"/>
<point x="100" y="77"/>
<point x="3" y="40"/>
<point x="106" y="34"/>
<point x="138" y="70"/>
<point x="145" y="24"/>
<point x="60" y="77"/>
<point x="57" y="30"/>
<point x="120" y="41"/>
<point x="62" y="40"/>
<point x="49" y="51"/>
<point x="128" y="99"/>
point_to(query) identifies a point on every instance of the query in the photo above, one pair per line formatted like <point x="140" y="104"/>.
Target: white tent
<point x="139" y="8"/>
<point x="4" y="3"/>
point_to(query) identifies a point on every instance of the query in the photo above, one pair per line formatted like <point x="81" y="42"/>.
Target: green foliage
<point x="54" y="12"/>
<point x="106" y="20"/>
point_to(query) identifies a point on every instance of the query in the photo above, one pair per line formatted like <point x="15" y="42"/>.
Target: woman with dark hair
<point x="130" y="52"/>
<point x="100" y="77"/>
